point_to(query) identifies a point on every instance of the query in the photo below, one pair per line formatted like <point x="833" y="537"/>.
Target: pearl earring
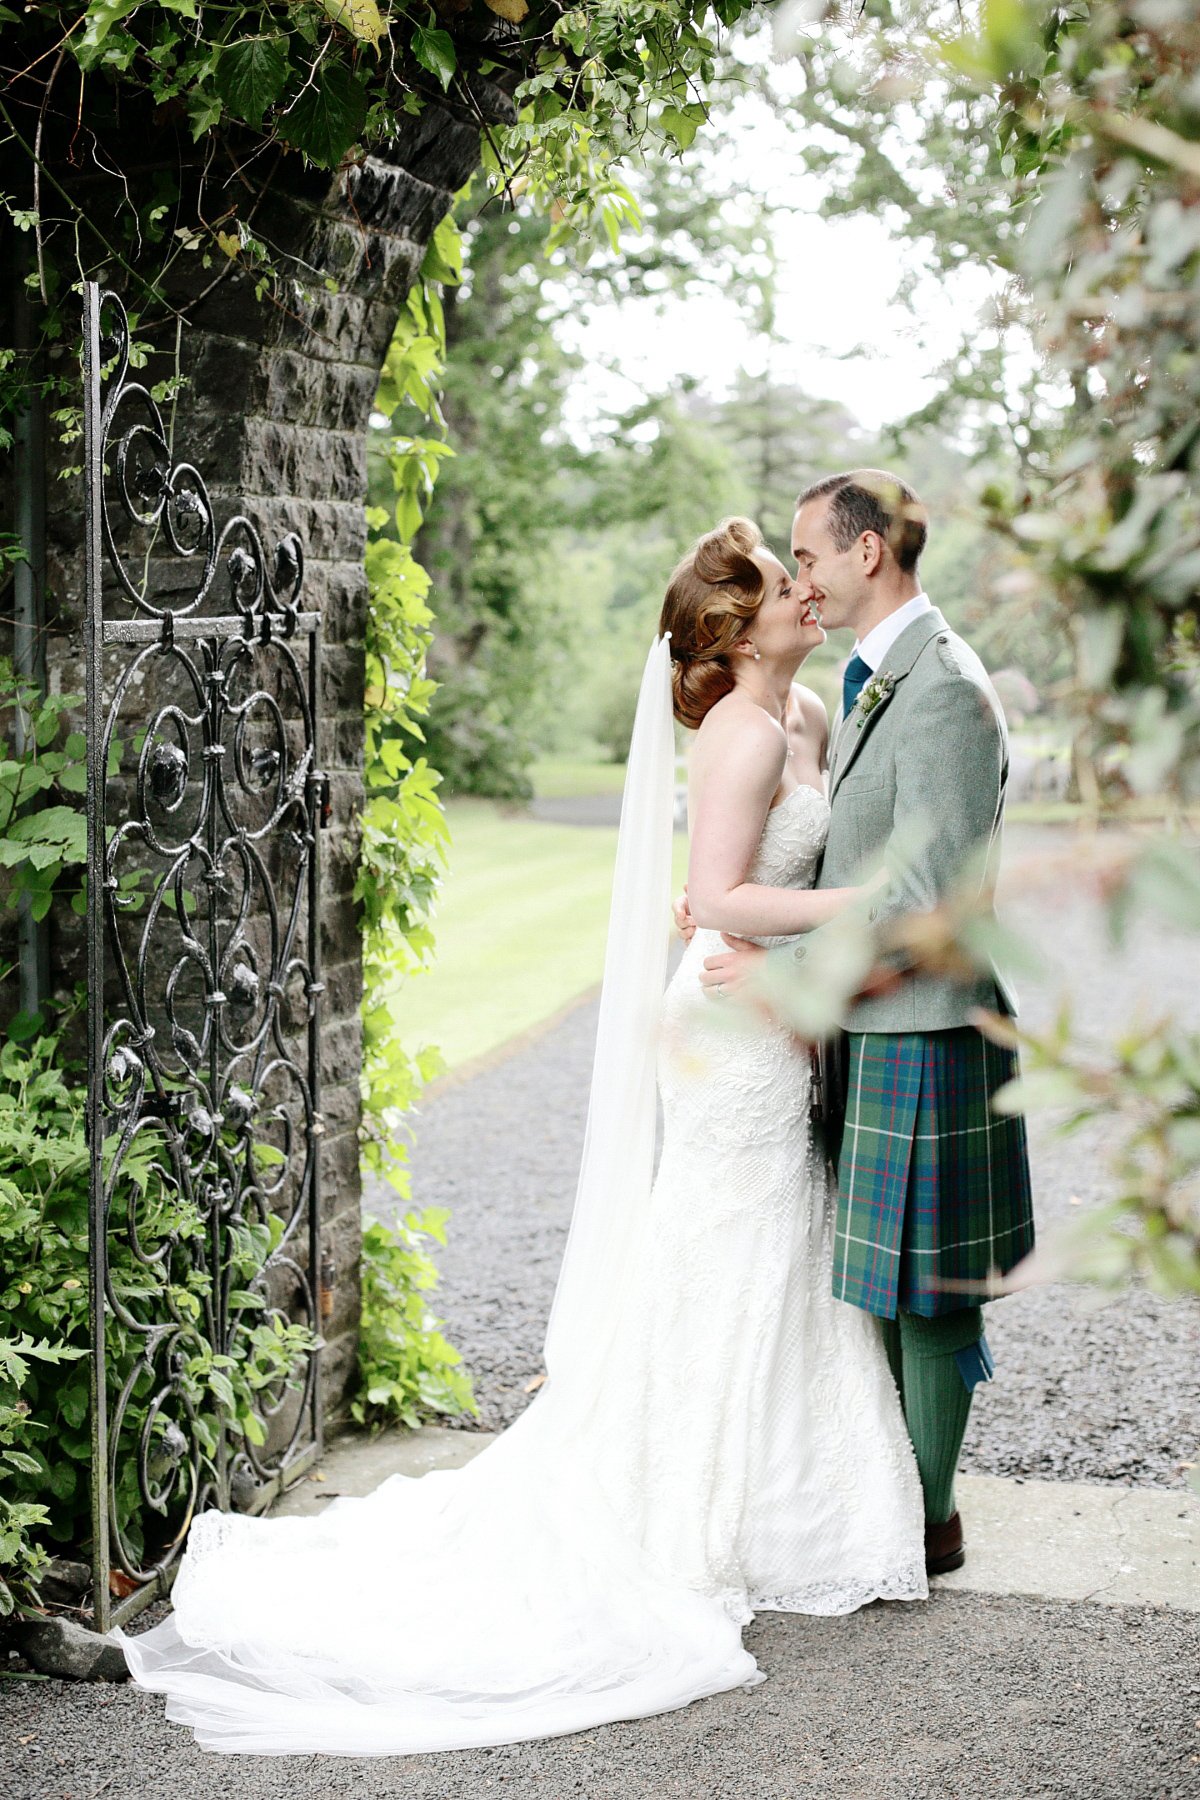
<point x="758" y="656"/>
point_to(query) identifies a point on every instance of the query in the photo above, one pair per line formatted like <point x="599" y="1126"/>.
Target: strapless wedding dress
<point x="744" y="1450"/>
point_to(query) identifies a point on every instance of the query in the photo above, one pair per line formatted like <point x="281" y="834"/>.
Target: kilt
<point x="933" y="1186"/>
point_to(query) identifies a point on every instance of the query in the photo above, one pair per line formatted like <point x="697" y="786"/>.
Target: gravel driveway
<point x="1083" y="1392"/>
<point x="962" y="1699"/>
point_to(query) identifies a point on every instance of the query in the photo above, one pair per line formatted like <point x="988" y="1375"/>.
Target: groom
<point x="933" y="1187"/>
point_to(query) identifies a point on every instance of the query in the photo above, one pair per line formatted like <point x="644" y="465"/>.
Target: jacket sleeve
<point x="949" y="779"/>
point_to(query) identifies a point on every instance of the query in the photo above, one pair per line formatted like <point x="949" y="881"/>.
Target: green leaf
<point x="327" y="118"/>
<point x="683" y="122"/>
<point x="25" y="1025"/>
<point x="62" y="1480"/>
<point x="443" y="258"/>
<point x="204" y="111"/>
<point x="73" y="1404"/>
<point x="101" y="16"/>
<point x="434" y="50"/>
<point x="251" y="75"/>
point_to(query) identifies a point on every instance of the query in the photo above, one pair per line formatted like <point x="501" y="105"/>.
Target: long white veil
<point x="618" y="1153"/>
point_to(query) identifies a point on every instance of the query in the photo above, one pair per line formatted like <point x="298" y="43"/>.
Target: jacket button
<point x="943" y="640"/>
<point x="799" y="953"/>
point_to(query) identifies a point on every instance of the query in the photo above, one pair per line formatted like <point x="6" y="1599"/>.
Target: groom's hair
<point x="873" y="500"/>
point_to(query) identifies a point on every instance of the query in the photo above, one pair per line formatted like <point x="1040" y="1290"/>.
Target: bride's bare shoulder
<point x="736" y="720"/>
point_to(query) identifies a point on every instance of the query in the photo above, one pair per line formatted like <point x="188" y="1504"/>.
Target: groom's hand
<point x="732" y="969"/>
<point x="685" y="925"/>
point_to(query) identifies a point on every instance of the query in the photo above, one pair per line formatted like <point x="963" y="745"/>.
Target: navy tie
<point x="853" y="681"/>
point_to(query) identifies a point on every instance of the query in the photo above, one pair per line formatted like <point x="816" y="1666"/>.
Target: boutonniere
<point x="872" y="694"/>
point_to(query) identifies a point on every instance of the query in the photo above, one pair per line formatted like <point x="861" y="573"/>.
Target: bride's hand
<point x="723" y="975"/>
<point x="685" y="925"/>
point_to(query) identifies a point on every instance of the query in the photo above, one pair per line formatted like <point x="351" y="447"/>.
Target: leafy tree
<point x="492" y="537"/>
<point x="780" y="438"/>
<point x="487" y="533"/>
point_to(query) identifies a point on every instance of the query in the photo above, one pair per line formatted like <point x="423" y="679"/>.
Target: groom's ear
<point x="871" y="548"/>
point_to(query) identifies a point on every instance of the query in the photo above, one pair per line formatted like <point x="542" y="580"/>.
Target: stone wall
<point x="274" y="416"/>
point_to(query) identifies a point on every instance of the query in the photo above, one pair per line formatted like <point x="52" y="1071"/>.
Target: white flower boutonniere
<point x="872" y="694"/>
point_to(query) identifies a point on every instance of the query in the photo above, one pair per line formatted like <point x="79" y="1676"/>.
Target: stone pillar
<point x="274" y="415"/>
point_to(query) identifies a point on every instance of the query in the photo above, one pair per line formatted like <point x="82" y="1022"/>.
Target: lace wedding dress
<point x="722" y="1435"/>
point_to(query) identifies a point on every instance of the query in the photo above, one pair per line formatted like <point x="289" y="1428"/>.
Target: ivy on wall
<point x="406" y="1367"/>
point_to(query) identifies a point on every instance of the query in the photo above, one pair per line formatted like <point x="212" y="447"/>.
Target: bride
<point x="717" y="1434"/>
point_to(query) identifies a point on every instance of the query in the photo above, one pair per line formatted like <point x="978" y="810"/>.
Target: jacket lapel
<point x="855" y="730"/>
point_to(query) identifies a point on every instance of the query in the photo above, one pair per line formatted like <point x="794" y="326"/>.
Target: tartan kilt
<point x="933" y="1186"/>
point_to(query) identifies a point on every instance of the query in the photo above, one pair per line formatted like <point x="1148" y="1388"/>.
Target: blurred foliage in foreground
<point x="1068" y="141"/>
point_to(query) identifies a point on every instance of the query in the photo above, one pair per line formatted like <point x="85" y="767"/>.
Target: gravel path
<point x="1083" y="1392"/>
<point x="963" y="1699"/>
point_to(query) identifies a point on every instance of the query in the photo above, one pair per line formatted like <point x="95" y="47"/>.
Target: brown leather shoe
<point x="944" y="1547"/>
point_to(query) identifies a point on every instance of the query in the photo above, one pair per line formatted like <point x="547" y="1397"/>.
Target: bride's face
<point x="785" y="625"/>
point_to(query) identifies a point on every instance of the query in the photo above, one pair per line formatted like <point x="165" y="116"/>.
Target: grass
<point x="561" y="778"/>
<point x="521" y="928"/>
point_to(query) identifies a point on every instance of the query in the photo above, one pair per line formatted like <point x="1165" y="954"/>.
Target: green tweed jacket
<point x="918" y="780"/>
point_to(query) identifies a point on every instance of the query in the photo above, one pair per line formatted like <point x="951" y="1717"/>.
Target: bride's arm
<point x="742" y="763"/>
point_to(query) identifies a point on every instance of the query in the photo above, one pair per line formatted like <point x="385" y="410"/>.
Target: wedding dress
<point x="717" y="1435"/>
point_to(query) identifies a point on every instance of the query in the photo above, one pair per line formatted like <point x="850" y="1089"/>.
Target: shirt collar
<point x="879" y="641"/>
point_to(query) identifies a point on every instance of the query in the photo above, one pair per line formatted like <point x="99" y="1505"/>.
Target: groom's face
<point x="837" y="578"/>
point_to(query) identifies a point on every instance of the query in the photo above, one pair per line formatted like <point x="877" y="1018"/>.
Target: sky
<point x="842" y="337"/>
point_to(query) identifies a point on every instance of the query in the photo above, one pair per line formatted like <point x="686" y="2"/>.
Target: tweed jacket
<point x="917" y="780"/>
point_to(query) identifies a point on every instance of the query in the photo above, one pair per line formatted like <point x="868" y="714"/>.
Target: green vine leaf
<point x="434" y="50"/>
<point x="251" y="75"/>
<point x="101" y="16"/>
<point x="328" y="116"/>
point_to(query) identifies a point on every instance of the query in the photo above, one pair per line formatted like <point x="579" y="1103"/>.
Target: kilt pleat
<point x="933" y="1186"/>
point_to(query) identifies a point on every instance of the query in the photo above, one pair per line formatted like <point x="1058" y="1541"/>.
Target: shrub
<point x="406" y="1368"/>
<point x="22" y="1559"/>
<point x="44" y="1290"/>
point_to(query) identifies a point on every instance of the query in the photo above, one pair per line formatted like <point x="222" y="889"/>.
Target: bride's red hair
<point x="711" y="598"/>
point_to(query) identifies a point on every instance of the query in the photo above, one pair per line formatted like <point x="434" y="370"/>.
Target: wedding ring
<point x="721" y="989"/>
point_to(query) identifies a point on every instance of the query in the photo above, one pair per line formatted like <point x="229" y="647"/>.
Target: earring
<point x="758" y="656"/>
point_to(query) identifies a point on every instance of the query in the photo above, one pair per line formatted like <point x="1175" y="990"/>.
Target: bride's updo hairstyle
<point x="711" y="598"/>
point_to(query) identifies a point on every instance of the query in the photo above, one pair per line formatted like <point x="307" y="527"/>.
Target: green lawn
<point x="561" y="778"/>
<point x="520" y="927"/>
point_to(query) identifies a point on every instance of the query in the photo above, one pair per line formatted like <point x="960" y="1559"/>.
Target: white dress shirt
<point x="879" y="641"/>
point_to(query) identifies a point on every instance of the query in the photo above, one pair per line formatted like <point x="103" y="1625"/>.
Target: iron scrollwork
<point x="205" y="800"/>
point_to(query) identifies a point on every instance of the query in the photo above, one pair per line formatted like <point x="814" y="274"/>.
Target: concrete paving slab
<point x="1064" y="1540"/>
<point x="355" y="1463"/>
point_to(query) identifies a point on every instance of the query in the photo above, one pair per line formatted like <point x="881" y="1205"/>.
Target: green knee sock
<point x="936" y="1400"/>
<point x="890" y="1329"/>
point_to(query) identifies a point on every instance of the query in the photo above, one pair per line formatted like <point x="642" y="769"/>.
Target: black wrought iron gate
<point x="205" y="800"/>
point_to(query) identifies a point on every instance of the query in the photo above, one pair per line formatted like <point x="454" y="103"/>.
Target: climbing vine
<point x="138" y="137"/>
